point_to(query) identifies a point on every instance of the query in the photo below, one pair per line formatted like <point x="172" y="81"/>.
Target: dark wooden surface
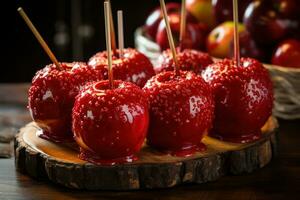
<point x="60" y="164"/>
<point x="278" y="180"/>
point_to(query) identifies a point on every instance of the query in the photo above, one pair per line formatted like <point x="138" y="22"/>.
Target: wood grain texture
<point x="59" y="163"/>
<point x="14" y="93"/>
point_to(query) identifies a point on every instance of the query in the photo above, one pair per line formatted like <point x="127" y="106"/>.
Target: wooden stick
<point x="170" y="36"/>
<point x="236" y="33"/>
<point x="39" y="38"/>
<point x="182" y="22"/>
<point x="120" y="33"/>
<point x="108" y="43"/>
<point x="112" y="28"/>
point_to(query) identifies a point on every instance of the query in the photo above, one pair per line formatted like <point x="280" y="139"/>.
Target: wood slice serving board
<point x="42" y="159"/>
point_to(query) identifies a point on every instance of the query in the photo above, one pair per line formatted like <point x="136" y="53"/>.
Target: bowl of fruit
<point x="269" y="31"/>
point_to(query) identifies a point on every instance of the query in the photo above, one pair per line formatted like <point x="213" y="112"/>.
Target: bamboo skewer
<point x="182" y="22"/>
<point x="112" y="28"/>
<point x="236" y="33"/>
<point x="108" y="43"/>
<point x="39" y="38"/>
<point x="170" y="36"/>
<point x="120" y="33"/>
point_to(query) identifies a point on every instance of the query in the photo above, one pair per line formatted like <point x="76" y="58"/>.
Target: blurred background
<point x="74" y="30"/>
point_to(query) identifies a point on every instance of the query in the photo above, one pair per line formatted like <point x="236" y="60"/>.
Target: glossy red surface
<point x="188" y="60"/>
<point x="243" y="99"/>
<point x="287" y="54"/>
<point x="270" y="21"/>
<point x="248" y="47"/>
<point x="156" y="16"/>
<point x="223" y="10"/>
<point x="181" y="111"/>
<point x="51" y="98"/>
<point x="195" y="35"/>
<point x="134" y="67"/>
<point x="110" y="125"/>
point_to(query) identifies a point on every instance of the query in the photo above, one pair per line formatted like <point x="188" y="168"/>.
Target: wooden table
<point x="278" y="180"/>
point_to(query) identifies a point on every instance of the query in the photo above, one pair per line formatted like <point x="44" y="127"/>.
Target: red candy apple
<point x="243" y="99"/>
<point x="51" y="98"/>
<point x="287" y="54"/>
<point x="181" y="111"/>
<point x="188" y="59"/>
<point x="110" y="125"/>
<point x="133" y="66"/>
<point x="156" y="16"/>
<point x="194" y="38"/>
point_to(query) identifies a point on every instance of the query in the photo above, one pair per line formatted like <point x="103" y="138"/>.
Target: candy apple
<point x="110" y="125"/>
<point x="181" y="112"/>
<point x="133" y="66"/>
<point x="243" y="99"/>
<point x="188" y="60"/>
<point x="194" y="38"/>
<point x="52" y="95"/>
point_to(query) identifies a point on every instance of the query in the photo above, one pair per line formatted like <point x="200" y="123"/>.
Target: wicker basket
<point x="286" y="80"/>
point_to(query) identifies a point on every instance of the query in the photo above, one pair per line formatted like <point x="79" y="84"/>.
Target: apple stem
<point x="170" y="36"/>
<point x="108" y="42"/>
<point x="39" y="38"/>
<point x="236" y="32"/>
<point x="182" y="23"/>
<point x="120" y="33"/>
<point x="112" y="28"/>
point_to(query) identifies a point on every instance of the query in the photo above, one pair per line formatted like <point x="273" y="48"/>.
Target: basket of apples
<point x="269" y="31"/>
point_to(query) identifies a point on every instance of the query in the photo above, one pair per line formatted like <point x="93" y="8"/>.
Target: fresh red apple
<point x="194" y="38"/>
<point x="223" y="9"/>
<point x="156" y="16"/>
<point x="243" y="99"/>
<point x="133" y="66"/>
<point x="110" y="125"/>
<point x="287" y="54"/>
<point x="219" y="39"/>
<point x="52" y="95"/>
<point x="268" y="22"/>
<point x="202" y="10"/>
<point x="188" y="60"/>
<point x="181" y="112"/>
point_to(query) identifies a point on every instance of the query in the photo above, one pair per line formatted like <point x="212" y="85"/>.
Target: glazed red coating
<point x="181" y="111"/>
<point x="243" y="99"/>
<point x="110" y="125"/>
<point x="188" y="60"/>
<point x="134" y="67"/>
<point x="51" y="97"/>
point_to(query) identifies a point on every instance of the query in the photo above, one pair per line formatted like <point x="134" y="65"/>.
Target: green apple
<point x="219" y="39"/>
<point x="202" y="10"/>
